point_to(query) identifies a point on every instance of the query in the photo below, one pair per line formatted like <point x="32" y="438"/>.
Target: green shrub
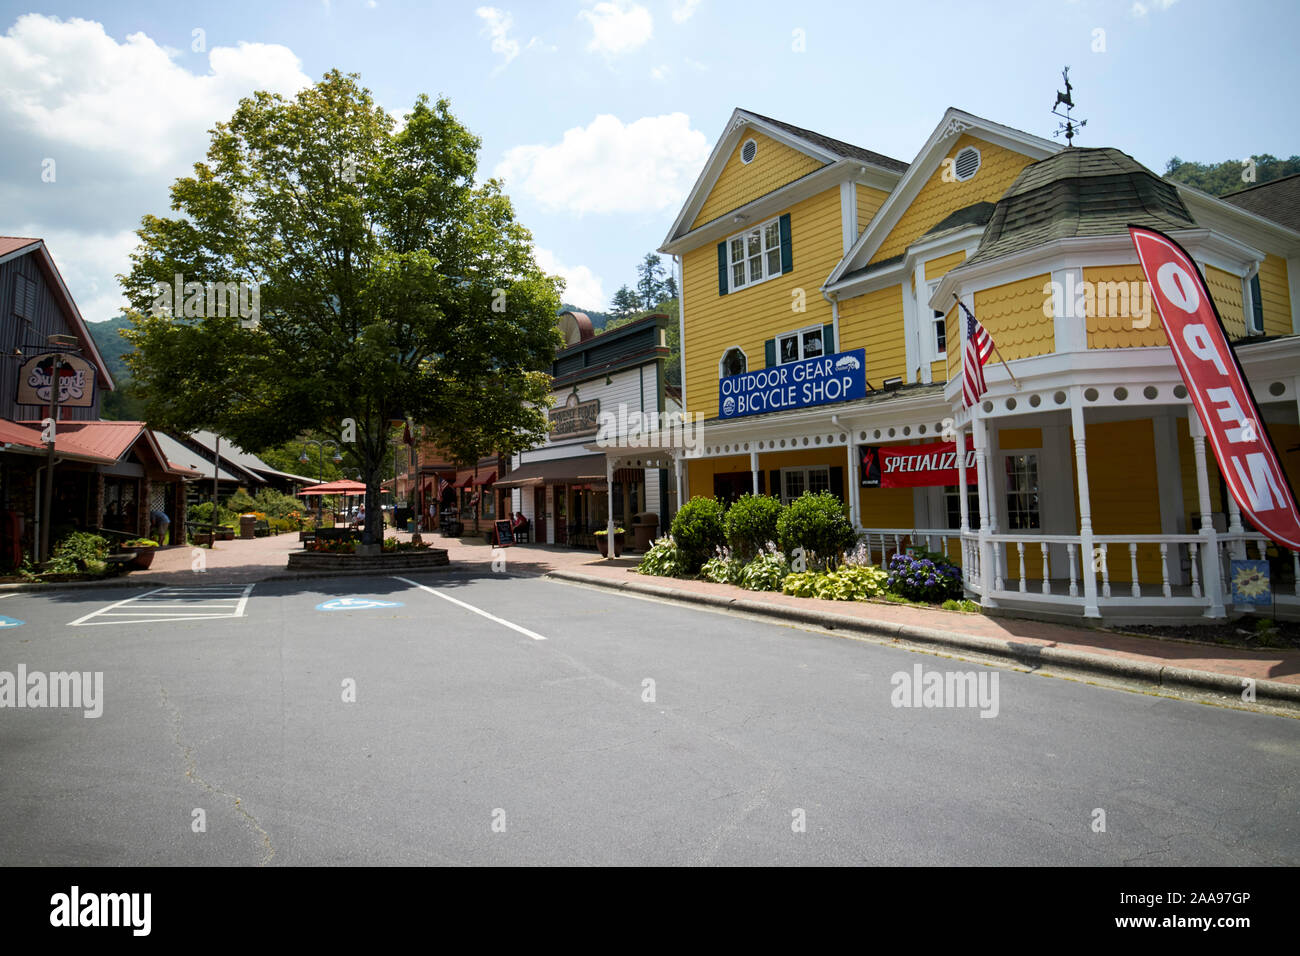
<point x="663" y="558"/>
<point x="241" y="502"/>
<point x="970" y="607"/>
<point x="817" y="524"/>
<point x="766" y="572"/>
<point x="750" y="524"/>
<point x="274" y="504"/>
<point x="77" y="553"/>
<point x="697" y="529"/>
<point x="722" y="569"/>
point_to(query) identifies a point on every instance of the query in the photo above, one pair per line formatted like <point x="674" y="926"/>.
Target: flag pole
<point x="996" y="351"/>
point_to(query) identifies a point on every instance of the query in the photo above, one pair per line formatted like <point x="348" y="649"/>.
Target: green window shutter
<point x="1257" y="303"/>
<point x="828" y="338"/>
<point x="769" y="353"/>
<point x="722" y="268"/>
<point x="787" y="257"/>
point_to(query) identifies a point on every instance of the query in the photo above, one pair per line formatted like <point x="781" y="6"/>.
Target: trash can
<point x="247" y="526"/>
<point x="644" y="526"/>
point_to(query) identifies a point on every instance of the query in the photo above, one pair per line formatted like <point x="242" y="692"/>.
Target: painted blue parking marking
<point x="355" y="604"/>
<point x="10" y="621"/>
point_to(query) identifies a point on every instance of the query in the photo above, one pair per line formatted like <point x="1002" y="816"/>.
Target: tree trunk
<point x="373" y="532"/>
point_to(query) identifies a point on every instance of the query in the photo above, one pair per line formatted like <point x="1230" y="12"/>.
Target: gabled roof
<point x="14" y="246"/>
<point x="107" y="442"/>
<point x="954" y="123"/>
<point x="825" y="149"/>
<point x="247" y="462"/>
<point x="1278" y="200"/>
<point x="182" y="455"/>
<point x="1080" y="192"/>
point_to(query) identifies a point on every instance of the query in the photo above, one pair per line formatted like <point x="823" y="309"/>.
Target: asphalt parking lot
<point x="462" y="719"/>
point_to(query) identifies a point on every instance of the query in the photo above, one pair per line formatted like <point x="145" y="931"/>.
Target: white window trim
<point x="929" y="347"/>
<point x="731" y="348"/>
<point x="805" y="469"/>
<point x="799" y="333"/>
<point x="762" y="231"/>
<point x="1000" y="488"/>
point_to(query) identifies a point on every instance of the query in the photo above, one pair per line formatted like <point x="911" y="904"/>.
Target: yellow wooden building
<point x="1096" y="496"/>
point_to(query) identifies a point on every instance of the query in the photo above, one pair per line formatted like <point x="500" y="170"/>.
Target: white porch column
<point x="962" y="506"/>
<point x="1212" y="578"/>
<point x="753" y="469"/>
<point x="1087" y="552"/>
<point x="986" y="547"/>
<point x="609" y="500"/>
<point x="851" y="483"/>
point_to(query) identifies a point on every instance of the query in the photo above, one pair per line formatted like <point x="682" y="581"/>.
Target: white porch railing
<point x="1150" y="570"/>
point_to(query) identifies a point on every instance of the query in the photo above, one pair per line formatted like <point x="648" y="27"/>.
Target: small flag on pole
<point x="442" y="486"/>
<point x="979" y="347"/>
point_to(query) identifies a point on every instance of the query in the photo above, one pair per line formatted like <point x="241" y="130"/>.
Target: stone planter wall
<point x="396" y="561"/>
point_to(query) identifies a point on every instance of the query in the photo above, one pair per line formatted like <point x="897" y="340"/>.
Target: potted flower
<point x="144" y="549"/>
<point x="602" y="541"/>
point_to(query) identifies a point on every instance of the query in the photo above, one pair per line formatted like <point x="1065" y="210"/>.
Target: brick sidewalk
<point x="1273" y="665"/>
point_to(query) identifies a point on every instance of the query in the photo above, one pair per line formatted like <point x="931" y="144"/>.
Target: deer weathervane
<point x="1069" y="127"/>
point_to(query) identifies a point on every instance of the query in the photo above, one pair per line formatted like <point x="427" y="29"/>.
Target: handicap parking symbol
<point x="10" y="621"/>
<point x="355" y="604"/>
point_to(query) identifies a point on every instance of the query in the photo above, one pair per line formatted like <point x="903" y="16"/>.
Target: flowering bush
<point x="663" y="558"/>
<point x="722" y="568"/>
<point x="332" y="546"/>
<point x="924" y="576"/>
<point x="766" y="571"/>
<point x="393" y="545"/>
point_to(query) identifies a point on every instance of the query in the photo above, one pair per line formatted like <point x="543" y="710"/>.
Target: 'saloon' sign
<point x="1218" y="388"/>
<point x="76" y="381"/>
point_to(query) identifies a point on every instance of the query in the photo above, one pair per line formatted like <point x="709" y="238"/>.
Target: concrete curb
<point x="1029" y="655"/>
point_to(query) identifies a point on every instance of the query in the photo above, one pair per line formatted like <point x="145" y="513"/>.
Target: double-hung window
<point x="937" y="333"/>
<point x="755" y="255"/>
<point x="795" y="481"/>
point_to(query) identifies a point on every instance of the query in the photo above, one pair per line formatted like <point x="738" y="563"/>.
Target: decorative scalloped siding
<point x="774" y="165"/>
<point x="938" y="268"/>
<point x="1276" y="295"/>
<point x="875" y="322"/>
<point x="869" y="203"/>
<point x="1226" y="289"/>
<point x="1012" y="314"/>
<point x="999" y="168"/>
<point x="748" y="317"/>
<point x="1117" y="331"/>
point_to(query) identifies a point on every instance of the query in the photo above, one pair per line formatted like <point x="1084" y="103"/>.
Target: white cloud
<point x="71" y="84"/>
<point x="582" y="287"/>
<point x="617" y="26"/>
<point x="646" y="166"/>
<point x="1141" y="9"/>
<point x="89" y="264"/>
<point x="660" y="72"/>
<point x="498" y="24"/>
<point x="683" y="10"/>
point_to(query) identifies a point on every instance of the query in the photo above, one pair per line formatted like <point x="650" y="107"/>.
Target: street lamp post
<point x="320" y="468"/>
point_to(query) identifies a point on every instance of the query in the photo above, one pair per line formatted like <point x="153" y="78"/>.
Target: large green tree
<point x="1231" y="174"/>
<point x="390" y="287"/>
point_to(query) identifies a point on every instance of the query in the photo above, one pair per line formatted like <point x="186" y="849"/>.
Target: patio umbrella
<point x="344" y="486"/>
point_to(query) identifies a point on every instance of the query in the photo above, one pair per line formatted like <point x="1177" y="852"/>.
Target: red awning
<point x="491" y="477"/>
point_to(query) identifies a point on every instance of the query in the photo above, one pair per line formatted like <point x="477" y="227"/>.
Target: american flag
<point x="442" y="486"/>
<point x="977" y="351"/>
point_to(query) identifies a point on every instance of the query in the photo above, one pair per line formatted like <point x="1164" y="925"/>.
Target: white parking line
<point x="469" y="607"/>
<point x="217" y="602"/>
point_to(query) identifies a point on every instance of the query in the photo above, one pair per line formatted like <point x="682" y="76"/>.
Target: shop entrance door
<point x="539" y="515"/>
<point x="561" y="514"/>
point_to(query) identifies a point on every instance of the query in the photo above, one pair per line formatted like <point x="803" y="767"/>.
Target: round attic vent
<point x="966" y="164"/>
<point x="748" y="151"/>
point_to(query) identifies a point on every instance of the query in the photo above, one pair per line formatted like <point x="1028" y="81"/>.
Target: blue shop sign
<point x="841" y="377"/>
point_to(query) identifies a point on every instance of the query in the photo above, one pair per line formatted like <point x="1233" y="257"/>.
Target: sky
<point x="599" y="116"/>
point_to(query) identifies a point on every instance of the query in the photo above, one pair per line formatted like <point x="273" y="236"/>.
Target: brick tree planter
<point x="397" y="561"/>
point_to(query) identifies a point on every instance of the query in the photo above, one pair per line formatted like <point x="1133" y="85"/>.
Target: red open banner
<point x="1218" y="388"/>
